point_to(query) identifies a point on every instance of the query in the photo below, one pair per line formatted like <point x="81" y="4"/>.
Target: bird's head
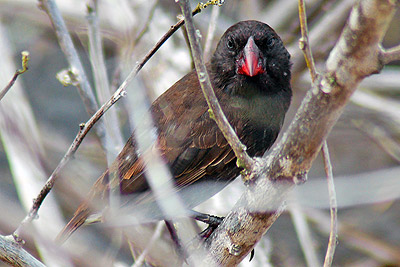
<point x="250" y="52"/>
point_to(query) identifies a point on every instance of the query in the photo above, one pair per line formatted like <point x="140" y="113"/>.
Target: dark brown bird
<point x="250" y="73"/>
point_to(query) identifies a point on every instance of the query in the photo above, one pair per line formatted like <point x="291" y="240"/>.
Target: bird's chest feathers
<point x="257" y="111"/>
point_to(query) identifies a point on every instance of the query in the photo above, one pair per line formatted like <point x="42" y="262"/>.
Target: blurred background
<point x="40" y="118"/>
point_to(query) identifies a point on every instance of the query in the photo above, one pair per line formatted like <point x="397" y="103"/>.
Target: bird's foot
<point x="212" y="221"/>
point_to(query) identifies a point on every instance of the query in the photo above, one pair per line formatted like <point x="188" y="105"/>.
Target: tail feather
<point x="96" y="198"/>
<point x="80" y="216"/>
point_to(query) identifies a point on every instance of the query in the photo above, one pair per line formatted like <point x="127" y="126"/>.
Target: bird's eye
<point x="271" y="41"/>
<point x="230" y="44"/>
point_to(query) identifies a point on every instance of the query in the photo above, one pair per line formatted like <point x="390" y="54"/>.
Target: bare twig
<point x="304" y="234"/>
<point x="390" y="55"/>
<point x="211" y="32"/>
<point x="304" y="43"/>
<point x="156" y="235"/>
<point x="330" y="22"/>
<point x="25" y="59"/>
<point x="352" y="236"/>
<point x="85" y="127"/>
<point x="243" y="160"/>
<point x="66" y="44"/>
<point x="171" y="31"/>
<point x="114" y="143"/>
<point x="355" y="56"/>
<point x="305" y="47"/>
<point x="381" y="137"/>
<point x="333" y="207"/>
<point x="147" y="24"/>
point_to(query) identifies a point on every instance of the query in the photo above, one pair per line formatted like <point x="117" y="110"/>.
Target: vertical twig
<point x="305" y="47"/>
<point x="211" y="32"/>
<point x="66" y="44"/>
<point x="304" y="42"/>
<point x="304" y="234"/>
<point x="333" y="207"/>
<point x="96" y="56"/>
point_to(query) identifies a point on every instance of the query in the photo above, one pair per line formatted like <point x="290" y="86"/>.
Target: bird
<point x="250" y="74"/>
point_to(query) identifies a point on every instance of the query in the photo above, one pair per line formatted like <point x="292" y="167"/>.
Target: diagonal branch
<point x="355" y="56"/>
<point x="25" y="60"/>
<point x="215" y="109"/>
<point x="85" y="127"/>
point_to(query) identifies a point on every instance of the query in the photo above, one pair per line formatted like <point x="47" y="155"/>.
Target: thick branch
<point x="354" y="57"/>
<point x="12" y="253"/>
<point x="390" y="55"/>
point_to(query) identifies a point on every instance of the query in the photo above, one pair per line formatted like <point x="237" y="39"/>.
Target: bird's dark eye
<point x="271" y="41"/>
<point x="230" y="44"/>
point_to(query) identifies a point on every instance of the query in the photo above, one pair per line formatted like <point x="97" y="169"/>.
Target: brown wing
<point x="188" y="139"/>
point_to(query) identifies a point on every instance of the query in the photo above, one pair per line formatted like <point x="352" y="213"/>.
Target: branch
<point x="390" y="55"/>
<point x="114" y="143"/>
<point x="12" y="253"/>
<point x="211" y="32"/>
<point x="304" y="43"/>
<point x="305" y="47"/>
<point x="25" y="60"/>
<point x="243" y="160"/>
<point x="355" y="56"/>
<point x="66" y="44"/>
<point x="333" y="207"/>
<point x="85" y="127"/>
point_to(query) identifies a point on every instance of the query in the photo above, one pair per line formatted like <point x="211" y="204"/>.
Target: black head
<point x="250" y="53"/>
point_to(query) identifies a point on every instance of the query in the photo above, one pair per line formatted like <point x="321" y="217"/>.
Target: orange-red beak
<point x="250" y="63"/>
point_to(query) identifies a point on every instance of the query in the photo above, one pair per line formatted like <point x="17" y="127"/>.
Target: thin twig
<point x="353" y="58"/>
<point x="305" y="47"/>
<point x="304" y="43"/>
<point x="333" y="207"/>
<point x="212" y="25"/>
<point x="365" y="243"/>
<point x="76" y="69"/>
<point x="156" y="235"/>
<point x="66" y="44"/>
<point x="170" y="32"/>
<point x="25" y="60"/>
<point x="147" y="24"/>
<point x="243" y="160"/>
<point x="390" y="55"/>
<point x="85" y="127"/>
<point x="304" y="234"/>
<point x="96" y="55"/>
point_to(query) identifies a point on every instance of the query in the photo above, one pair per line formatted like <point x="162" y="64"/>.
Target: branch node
<point x="328" y="83"/>
<point x="211" y="114"/>
<point x="18" y="240"/>
<point x="82" y="126"/>
<point x="235" y="249"/>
